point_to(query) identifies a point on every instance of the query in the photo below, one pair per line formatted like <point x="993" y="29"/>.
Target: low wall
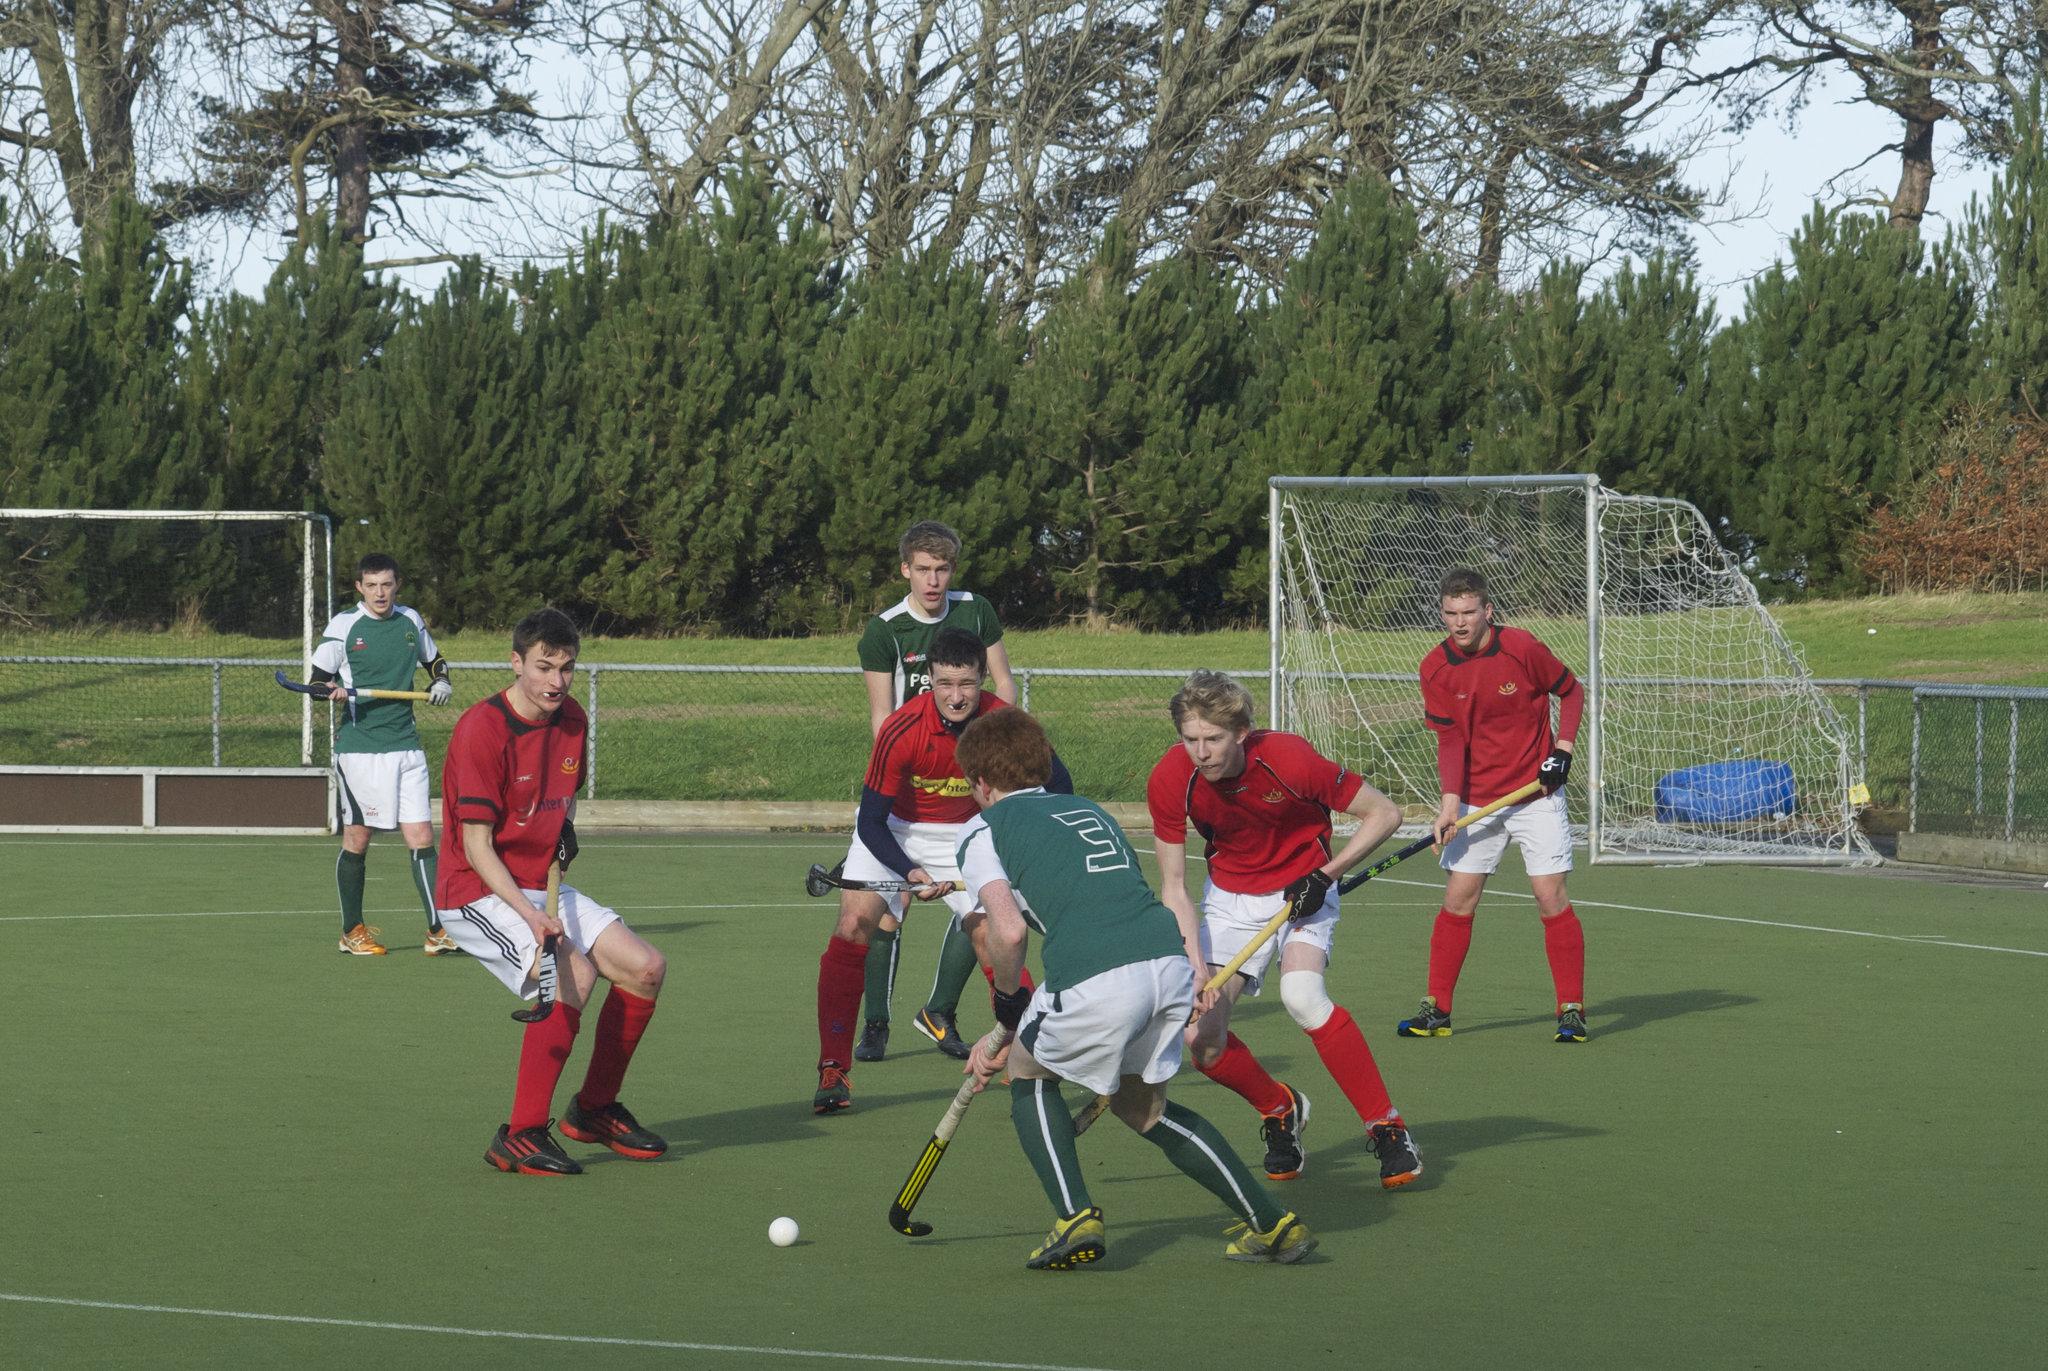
<point x="1985" y="854"/>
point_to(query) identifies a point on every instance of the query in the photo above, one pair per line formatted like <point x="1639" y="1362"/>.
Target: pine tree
<point x="1369" y="363"/>
<point x="695" y="374"/>
<point x="1820" y="385"/>
<point x="909" y="389"/>
<point x="264" y="377"/>
<point x="90" y="402"/>
<point x="1128" y="409"/>
<point x="2009" y="233"/>
<point x="1614" y="384"/>
<point x="457" y="455"/>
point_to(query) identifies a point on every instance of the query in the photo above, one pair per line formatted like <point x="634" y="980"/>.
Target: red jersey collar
<point x="1455" y="657"/>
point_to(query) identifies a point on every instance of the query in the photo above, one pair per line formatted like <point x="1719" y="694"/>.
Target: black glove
<point x="565" y="846"/>
<point x="1556" y="770"/>
<point x="1308" y="893"/>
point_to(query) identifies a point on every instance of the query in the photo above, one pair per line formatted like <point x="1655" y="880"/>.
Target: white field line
<point x="569" y="1338"/>
<point x="1919" y="939"/>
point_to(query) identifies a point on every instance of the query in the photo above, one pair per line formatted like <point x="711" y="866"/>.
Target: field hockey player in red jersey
<point x="508" y="793"/>
<point x="913" y="804"/>
<point x="1262" y="801"/>
<point x="1486" y="691"/>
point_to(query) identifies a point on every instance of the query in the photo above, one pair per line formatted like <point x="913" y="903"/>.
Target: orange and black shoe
<point x="530" y="1152"/>
<point x="1286" y="1157"/>
<point x="834" y="1094"/>
<point x="1400" y="1158"/>
<point x="614" y="1126"/>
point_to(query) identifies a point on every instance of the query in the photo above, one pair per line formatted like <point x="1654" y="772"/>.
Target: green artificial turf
<point x="1784" y="1146"/>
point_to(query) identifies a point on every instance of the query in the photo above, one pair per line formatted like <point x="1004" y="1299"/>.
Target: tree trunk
<point x="355" y="53"/>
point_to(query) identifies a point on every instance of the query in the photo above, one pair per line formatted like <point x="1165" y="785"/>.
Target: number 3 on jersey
<point x="1105" y="853"/>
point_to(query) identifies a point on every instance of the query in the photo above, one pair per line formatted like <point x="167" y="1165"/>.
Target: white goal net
<point x="1705" y="738"/>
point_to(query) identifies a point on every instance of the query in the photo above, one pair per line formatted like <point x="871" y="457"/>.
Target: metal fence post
<point x="216" y="713"/>
<point x="1863" y="733"/>
<point x="1913" y="773"/>
<point x="590" y="744"/>
<point x="2012" y="768"/>
<point x="1024" y="691"/>
<point x="1977" y="795"/>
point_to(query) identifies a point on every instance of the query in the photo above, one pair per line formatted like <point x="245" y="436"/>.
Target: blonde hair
<point x="1214" y="697"/>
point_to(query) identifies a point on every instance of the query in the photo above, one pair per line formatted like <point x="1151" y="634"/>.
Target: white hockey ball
<point x="782" y="1232"/>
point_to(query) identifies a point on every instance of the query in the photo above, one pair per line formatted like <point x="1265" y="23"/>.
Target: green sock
<point x="883" y="949"/>
<point x="1192" y="1143"/>
<point x="1047" y="1131"/>
<point x="957" y="962"/>
<point x="424" y="868"/>
<point x="348" y="879"/>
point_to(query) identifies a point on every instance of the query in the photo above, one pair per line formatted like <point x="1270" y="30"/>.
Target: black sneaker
<point x="1571" y="1024"/>
<point x="938" y="1025"/>
<point x="834" y="1094"/>
<point x="1400" y="1159"/>
<point x="615" y="1127"/>
<point x="1429" y="1022"/>
<point x="530" y="1152"/>
<point x="1286" y="1158"/>
<point x="874" y="1041"/>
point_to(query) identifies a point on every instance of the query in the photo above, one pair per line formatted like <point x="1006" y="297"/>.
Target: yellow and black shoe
<point x="1287" y="1242"/>
<point x="1571" y="1024"/>
<point x="938" y="1025"/>
<point x="1429" y="1022"/>
<point x="834" y="1094"/>
<point x="1072" y="1242"/>
<point x="613" y="1126"/>
<point x="530" y="1152"/>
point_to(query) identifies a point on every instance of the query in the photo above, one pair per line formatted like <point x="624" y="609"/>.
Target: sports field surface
<point x="1806" y="1133"/>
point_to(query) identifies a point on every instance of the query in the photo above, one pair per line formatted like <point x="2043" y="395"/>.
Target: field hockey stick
<point x="818" y="881"/>
<point x="921" y="1174"/>
<point x="1427" y="841"/>
<point x="325" y="690"/>
<point x="544" y="1003"/>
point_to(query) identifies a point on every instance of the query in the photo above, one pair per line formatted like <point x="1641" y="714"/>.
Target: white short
<point x="1539" y="827"/>
<point x="1123" y="1022"/>
<point x="501" y="941"/>
<point x="383" y="789"/>
<point x="1230" y="920"/>
<point x="935" y="847"/>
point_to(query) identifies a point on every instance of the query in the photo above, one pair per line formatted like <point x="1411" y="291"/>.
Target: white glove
<point x="440" y="692"/>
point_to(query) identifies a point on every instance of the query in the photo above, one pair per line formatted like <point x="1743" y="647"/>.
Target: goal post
<point x="1705" y="737"/>
<point x="67" y="573"/>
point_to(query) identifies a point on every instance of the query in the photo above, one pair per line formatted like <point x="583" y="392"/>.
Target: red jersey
<point x="1491" y="712"/>
<point x="1267" y="826"/>
<point x="517" y="776"/>
<point x="913" y="764"/>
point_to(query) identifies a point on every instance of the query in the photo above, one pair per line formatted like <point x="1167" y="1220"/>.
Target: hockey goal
<point x="1705" y="737"/>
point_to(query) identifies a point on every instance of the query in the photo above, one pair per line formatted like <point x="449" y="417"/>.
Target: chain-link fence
<point x="659" y="732"/>
<point x="1965" y="760"/>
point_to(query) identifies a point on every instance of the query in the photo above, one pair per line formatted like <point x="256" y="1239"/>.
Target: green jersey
<point x="899" y="640"/>
<point x="1076" y="881"/>
<point x="367" y="653"/>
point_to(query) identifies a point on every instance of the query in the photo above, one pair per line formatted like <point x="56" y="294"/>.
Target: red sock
<point x="1564" y="939"/>
<point x="842" y="979"/>
<point x="542" y="1053"/>
<point x="1343" y="1050"/>
<point x="988" y="973"/>
<point x="1237" y="1069"/>
<point x="1449" y="941"/>
<point x="619" y="1026"/>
